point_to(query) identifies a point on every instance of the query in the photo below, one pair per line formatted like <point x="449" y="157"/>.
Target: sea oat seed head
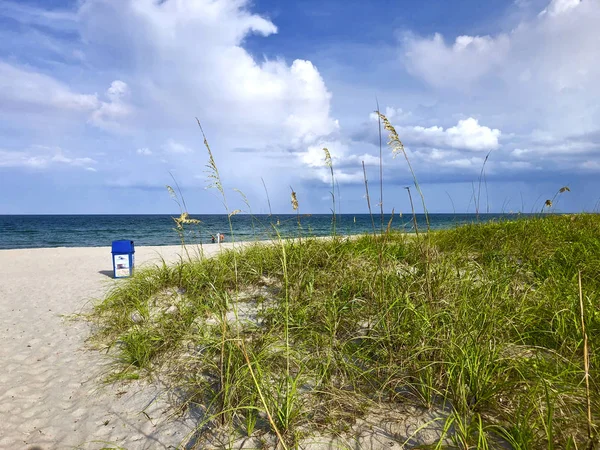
<point x="171" y="191"/>
<point x="294" y="201"/>
<point x="184" y="218"/>
<point x="394" y="140"/>
<point x="328" y="162"/>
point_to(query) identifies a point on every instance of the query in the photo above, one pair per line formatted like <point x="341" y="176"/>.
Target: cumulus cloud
<point x="39" y="157"/>
<point x="109" y="114"/>
<point x="135" y="74"/>
<point x="117" y="91"/>
<point x="538" y="80"/>
<point x="448" y="159"/>
<point x="539" y="59"/>
<point x="466" y="135"/>
<point x="23" y="89"/>
<point x="188" y="58"/>
<point x="458" y="64"/>
<point x="346" y="164"/>
<point x="145" y="69"/>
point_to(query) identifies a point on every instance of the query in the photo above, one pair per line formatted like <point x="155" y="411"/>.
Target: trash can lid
<point x="123" y="246"/>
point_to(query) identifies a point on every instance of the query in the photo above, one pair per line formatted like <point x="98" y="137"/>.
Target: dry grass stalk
<point x="368" y="198"/>
<point x="329" y="163"/>
<point x="412" y="207"/>
<point x="550" y="202"/>
<point x="261" y="396"/>
<point x="380" y="166"/>
<point x="398" y="147"/>
<point x="268" y="199"/>
<point x="586" y="362"/>
<point x="482" y="176"/>
<point x="213" y="171"/>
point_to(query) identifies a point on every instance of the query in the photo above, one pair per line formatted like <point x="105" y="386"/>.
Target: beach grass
<point x="492" y="329"/>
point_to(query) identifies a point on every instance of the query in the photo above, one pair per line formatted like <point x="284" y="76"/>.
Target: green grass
<point x="480" y="325"/>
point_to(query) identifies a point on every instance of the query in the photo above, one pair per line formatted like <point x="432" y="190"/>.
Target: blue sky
<point x="98" y="100"/>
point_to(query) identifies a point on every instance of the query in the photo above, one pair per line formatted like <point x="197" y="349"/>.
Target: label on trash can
<point x="122" y="265"/>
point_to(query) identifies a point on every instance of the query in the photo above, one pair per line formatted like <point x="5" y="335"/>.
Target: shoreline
<point x="170" y="247"/>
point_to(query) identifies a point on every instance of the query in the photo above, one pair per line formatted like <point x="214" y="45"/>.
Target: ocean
<point x="35" y="231"/>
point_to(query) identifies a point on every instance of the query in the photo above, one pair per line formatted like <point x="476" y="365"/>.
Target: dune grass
<point x="481" y="325"/>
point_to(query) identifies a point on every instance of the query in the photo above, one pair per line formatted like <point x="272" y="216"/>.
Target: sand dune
<point x="50" y="396"/>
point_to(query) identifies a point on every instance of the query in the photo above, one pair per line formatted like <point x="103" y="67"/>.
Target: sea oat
<point x="394" y="140"/>
<point x="294" y="201"/>
<point x="171" y="192"/>
<point x="328" y="162"/>
<point x="244" y="199"/>
<point x="213" y="171"/>
<point x="398" y="147"/>
<point x="184" y="219"/>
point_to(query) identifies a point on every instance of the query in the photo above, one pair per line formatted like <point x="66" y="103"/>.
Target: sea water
<point x="33" y="231"/>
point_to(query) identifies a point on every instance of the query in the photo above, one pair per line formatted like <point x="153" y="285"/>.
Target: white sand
<point x="50" y="395"/>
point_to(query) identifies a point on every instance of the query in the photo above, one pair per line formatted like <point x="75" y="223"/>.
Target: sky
<point x="99" y="101"/>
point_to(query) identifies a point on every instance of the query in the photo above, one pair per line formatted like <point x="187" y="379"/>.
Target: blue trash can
<point x="123" y="256"/>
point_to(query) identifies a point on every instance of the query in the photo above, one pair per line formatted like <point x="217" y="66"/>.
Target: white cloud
<point x="456" y="65"/>
<point x="393" y="114"/>
<point x="469" y="135"/>
<point x="537" y="80"/>
<point x="557" y="7"/>
<point x="215" y="79"/>
<point x="39" y="157"/>
<point x="175" y="147"/>
<point x="368" y="159"/>
<point x="538" y="59"/>
<point x="466" y="135"/>
<point x="346" y="164"/>
<point x="117" y="91"/>
<point x="448" y="159"/>
<point x="23" y="89"/>
<point x="166" y="62"/>
<point x="109" y="114"/>
<point x="171" y="61"/>
<point x="590" y="165"/>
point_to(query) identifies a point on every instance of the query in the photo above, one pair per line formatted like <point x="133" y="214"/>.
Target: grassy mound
<point x="480" y="326"/>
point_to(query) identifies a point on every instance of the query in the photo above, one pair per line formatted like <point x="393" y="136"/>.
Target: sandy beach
<point x="50" y="391"/>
